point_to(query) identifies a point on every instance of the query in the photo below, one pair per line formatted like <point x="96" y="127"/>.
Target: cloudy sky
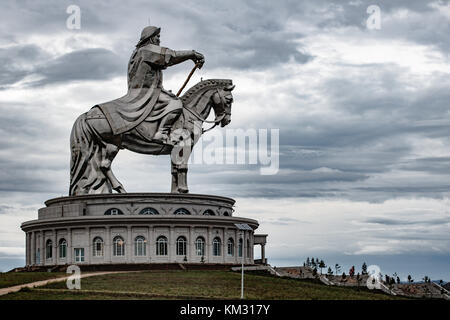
<point x="363" y="116"/>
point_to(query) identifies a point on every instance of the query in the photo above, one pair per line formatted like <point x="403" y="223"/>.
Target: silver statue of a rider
<point x="146" y="97"/>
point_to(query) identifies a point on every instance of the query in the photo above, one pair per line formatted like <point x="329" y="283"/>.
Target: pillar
<point x="69" y="249"/>
<point x="107" y="245"/>
<point x="42" y="245"/>
<point x="190" y="250"/>
<point x="54" y="248"/>
<point x="129" y="246"/>
<point x="263" y="253"/>
<point x="171" y="249"/>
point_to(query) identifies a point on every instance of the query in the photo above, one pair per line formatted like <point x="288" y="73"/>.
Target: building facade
<point x="139" y="228"/>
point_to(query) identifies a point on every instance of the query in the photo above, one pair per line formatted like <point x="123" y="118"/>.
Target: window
<point x="98" y="247"/>
<point x="226" y="213"/>
<point x="230" y="246"/>
<point x="216" y="247"/>
<point x="200" y="246"/>
<point x="118" y="246"/>
<point x="240" y="248"/>
<point x="149" y="211"/>
<point x="79" y="254"/>
<point x="140" y="246"/>
<point x="113" y="212"/>
<point x="62" y="248"/>
<point x="181" y="246"/>
<point x="209" y="212"/>
<point x="48" y="249"/>
<point x="161" y="246"/>
<point x="38" y="256"/>
<point x="182" y="211"/>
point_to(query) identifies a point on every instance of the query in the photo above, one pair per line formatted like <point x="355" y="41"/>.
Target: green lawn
<point x="9" y="279"/>
<point x="195" y="285"/>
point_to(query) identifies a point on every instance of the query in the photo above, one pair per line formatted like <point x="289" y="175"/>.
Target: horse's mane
<point x="204" y="86"/>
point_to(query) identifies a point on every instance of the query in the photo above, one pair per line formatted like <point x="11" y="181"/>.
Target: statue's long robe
<point x="146" y="98"/>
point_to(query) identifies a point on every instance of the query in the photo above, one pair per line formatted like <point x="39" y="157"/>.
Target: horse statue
<point x="94" y="145"/>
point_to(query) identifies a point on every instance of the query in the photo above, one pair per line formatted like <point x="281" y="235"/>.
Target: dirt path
<point x="41" y="283"/>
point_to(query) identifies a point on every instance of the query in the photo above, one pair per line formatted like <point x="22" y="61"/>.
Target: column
<point x="129" y="246"/>
<point x="69" y="249"/>
<point x="191" y="245"/>
<point x="224" y="244"/>
<point x="236" y="246"/>
<point x="88" y="252"/>
<point x="263" y="253"/>
<point x="208" y="247"/>
<point x="151" y="242"/>
<point x="54" y="247"/>
<point x="33" y="248"/>
<point x="147" y="245"/>
<point x="107" y="245"/>
<point x="42" y="245"/>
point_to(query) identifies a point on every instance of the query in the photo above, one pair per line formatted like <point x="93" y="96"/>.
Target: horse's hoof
<point x="183" y="190"/>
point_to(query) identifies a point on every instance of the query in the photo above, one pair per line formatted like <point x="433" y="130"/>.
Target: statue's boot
<point x="166" y="123"/>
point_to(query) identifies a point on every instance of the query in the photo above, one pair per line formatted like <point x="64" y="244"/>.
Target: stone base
<point x="138" y="228"/>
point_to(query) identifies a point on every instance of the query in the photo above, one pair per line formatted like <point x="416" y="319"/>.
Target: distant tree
<point x="387" y="279"/>
<point x="344" y="276"/>
<point x="313" y="263"/>
<point x="398" y="280"/>
<point x="426" y="279"/>
<point x="314" y="272"/>
<point x="321" y="265"/>
<point x="329" y="272"/>
<point x="410" y="279"/>
<point x="441" y="282"/>
<point x="308" y="262"/>
<point x="351" y="272"/>
<point x="337" y="268"/>
<point x="364" y="269"/>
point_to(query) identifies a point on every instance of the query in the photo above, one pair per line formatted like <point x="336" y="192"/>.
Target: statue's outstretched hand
<point x="199" y="59"/>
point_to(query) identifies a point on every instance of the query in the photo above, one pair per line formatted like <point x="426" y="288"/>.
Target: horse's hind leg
<point x="179" y="178"/>
<point x="109" y="152"/>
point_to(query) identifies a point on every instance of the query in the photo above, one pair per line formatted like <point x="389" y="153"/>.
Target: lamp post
<point x="242" y="227"/>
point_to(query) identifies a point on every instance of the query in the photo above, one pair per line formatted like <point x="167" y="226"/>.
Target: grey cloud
<point x="389" y="221"/>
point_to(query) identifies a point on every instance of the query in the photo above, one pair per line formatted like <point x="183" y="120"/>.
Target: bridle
<point x="215" y="121"/>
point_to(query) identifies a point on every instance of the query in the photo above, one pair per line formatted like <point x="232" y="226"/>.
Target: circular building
<point x="136" y="228"/>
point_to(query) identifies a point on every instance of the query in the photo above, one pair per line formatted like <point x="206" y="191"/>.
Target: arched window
<point x="200" y="246"/>
<point x="209" y="212"/>
<point x="140" y="246"/>
<point x="161" y="246"/>
<point x="113" y="212"/>
<point x="151" y="211"/>
<point x="181" y="211"/>
<point x="217" y="247"/>
<point x="240" y="248"/>
<point x="97" y="247"/>
<point x="48" y="249"/>
<point x="226" y="213"/>
<point x="62" y="248"/>
<point x="181" y="246"/>
<point x="230" y="246"/>
<point x="118" y="247"/>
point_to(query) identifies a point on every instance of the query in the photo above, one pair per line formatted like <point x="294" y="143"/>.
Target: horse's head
<point x="222" y="101"/>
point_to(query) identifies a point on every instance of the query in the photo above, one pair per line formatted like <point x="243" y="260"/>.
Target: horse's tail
<point x="85" y="160"/>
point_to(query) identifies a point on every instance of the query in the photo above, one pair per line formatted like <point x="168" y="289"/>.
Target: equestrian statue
<point x="148" y="119"/>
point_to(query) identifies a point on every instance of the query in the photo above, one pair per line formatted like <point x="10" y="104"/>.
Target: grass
<point x="195" y="285"/>
<point x="9" y="279"/>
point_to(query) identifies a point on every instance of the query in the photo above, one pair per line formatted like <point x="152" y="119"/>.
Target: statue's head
<point x="150" y="35"/>
<point x="223" y="100"/>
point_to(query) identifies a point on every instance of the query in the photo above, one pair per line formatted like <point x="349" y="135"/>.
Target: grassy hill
<point x="195" y="285"/>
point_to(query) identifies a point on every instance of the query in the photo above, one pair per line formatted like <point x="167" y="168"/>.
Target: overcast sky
<point x="363" y="116"/>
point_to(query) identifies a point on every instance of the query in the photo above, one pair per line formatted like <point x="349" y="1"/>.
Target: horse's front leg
<point x="179" y="161"/>
<point x="108" y="155"/>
